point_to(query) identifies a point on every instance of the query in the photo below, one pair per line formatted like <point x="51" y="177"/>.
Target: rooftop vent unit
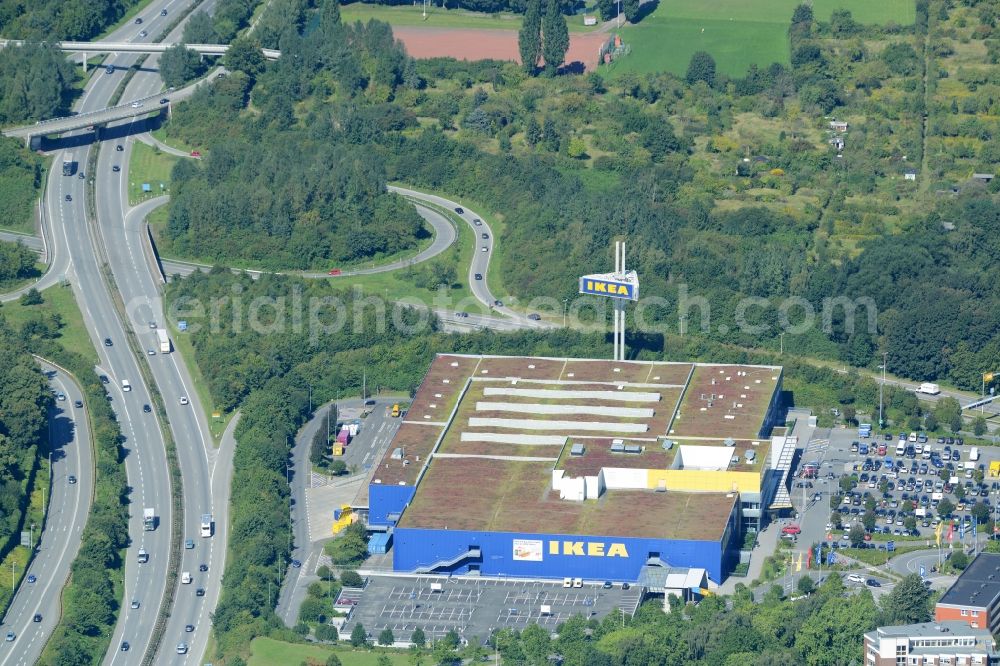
<point x="729" y="441"/>
<point x="397" y="453"/>
<point x="633" y="448"/>
<point x="454" y="364"/>
<point x="576" y="450"/>
<point x="531" y="366"/>
<point x="617" y="446"/>
<point x="668" y="444"/>
<point x="571" y="374"/>
<point x="735" y="460"/>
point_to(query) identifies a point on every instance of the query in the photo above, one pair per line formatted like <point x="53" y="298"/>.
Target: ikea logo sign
<point x="587" y="549"/>
<point x="625" y="290"/>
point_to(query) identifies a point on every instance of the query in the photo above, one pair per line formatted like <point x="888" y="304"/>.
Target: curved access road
<point x="57" y="541"/>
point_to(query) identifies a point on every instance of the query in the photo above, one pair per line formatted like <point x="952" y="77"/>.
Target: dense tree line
<point x="34" y="82"/>
<point x="17" y="262"/>
<point x="231" y="16"/>
<point x="20" y="183"/>
<point x="59" y="19"/>
<point x="24" y="399"/>
<point x="491" y="6"/>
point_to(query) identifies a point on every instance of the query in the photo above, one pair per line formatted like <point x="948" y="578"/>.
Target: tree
<point x="359" y="637"/>
<point x="179" y="64"/>
<point x="959" y="559"/>
<point x="631" y="10"/>
<point x="351" y="578"/>
<point x="701" y="67"/>
<point x="945" y="508"/>
<point x="868" y="520"/>
<point x="856" y="535"/>
<point x="329" y="15"/>
<point x="836" y="519"/>
<point x="326" y="633"/>
<point x="529" y="38"/>
<point x="981" y="513"/>
<point x="338" y="467"/>
<point x="910" y="523"/>
<point x="244" y="55"/>
<point x="979" y="426"/>
<point x="555" y="38"/>
<point x="532" y="131"/>
<point x="806" y="585"/>
<point x="385" y="637"/>
<point x="333" y="660"/>
<point x="418" y="638"/>
<point x="908" y="603"/>
<point x="31" y="297"/>
<point x="383" y="659"/>
<point x="930" y="422"/>
<point x="199" y="29"/>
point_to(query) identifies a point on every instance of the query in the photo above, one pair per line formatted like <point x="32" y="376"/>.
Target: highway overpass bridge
<point x="137" y="47"/>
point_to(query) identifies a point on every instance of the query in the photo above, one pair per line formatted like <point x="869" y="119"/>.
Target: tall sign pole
<point x="621" y="286"/>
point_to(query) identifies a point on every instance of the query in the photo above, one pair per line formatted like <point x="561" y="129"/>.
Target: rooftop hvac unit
<point x="617" y="446"/>
<point x="576" y="450"/>
<point x="661" y="487"/>
<point x="729" y="441"/>
<point x="668" y="444"/>
<point x="633" y="448"/>
<point x="397" y="453"/>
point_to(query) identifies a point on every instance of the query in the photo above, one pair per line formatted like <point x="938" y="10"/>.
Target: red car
<point x="195" y="153"/>
<point x="335" y="271"/>
<point x="791" y="529"/>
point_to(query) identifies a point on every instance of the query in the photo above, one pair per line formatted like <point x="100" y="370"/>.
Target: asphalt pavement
<point x="57" y="541"/>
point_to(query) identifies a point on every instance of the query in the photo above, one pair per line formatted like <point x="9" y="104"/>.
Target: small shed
<point x="838" y="125"/>
<point x="909" y="174"/>
<point x="983" y="177"/>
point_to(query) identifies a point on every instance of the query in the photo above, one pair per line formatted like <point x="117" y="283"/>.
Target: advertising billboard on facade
<point x="607" y="284"/>
<point x="527" y="550"/>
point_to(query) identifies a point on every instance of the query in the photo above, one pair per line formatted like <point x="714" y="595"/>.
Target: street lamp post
<point x="565" y="302"/>
<point x="885" y="361"/>
<point x="781" y="349"/>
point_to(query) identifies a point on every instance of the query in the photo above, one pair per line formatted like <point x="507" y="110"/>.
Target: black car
<point x="147" y="409"/>
<point x="104" y="379"/>
<point x="498" y="303"/>
<point x="163" y="12"/>
<point x="189" y="628"/>
<point x="78" y="403"/>
<point x="107" y="342"/>
<point x="37" y="617"/>
<point x="164" y="100"/>
<point x="486" y="236"/>
<point x="479" y="276"/>
<point x="125" y="646"/>
<point x="71" y="479"/>
<point x="200" y="592"/>
<point x="116" y="168"/>
<point x="119" y="148"/>
<point x="459" y="210"/>
<point x="202" y="567"/>
<point x="69" y="197"/>
<point x="138" y="21"/>
<point x="871" y="582"/>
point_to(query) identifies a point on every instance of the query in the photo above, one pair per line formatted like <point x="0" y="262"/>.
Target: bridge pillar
<point x="99" y="130"/>
<point x="83" y="61"/>
<point x="34" y="142"/>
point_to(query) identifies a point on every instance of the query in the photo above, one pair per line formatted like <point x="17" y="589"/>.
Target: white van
<point x="186" y="577"/>
<point x="126" y="386"/>
<point x="912" y="437"/>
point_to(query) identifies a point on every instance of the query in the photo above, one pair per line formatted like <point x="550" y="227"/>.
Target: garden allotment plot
<point x="737" y="33"/>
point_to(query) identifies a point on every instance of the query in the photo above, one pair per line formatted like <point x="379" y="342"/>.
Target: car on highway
<point x="479" y="276"/>
<point x="184" y="400"/>
<point x="134" y="604"/>
<point x="110" y="69"/>
<point x="138" y="21"/>
<point x="119" y="147"/>
<point x="71" y="479"/>
<point x="203" y="568"/>
<point x="152" y="324"/>
<point x="116" y="168"/>
<point x="459" y="210"/>
<point x="147" y="409"/>
<point x="81" y="175"/>
<point x="151" y="352"/>
<point x="32" y="578"/>
<point x="188" y="544"/>
<point x="182" y="648"/>
<point x="189" y="628"/>
<point x="164" y="100"/>
<point x="10" y="636"/>
<point x="60" y="396"/>
<point x="486" y="236"/>
<point x="108" y="343"/>
<point x="37" y="617"/>
<point x="104" y="378"/>
<point x="484" y="248"/>
<point x="477" y="222"/>
<point x="143" y="34"/>
<point x="200" y="592"/>
<point x="534" y="316"/>
<point x="69" y="197"/>
<point x="335" y="272"/>
<point x="125" y="646"/>
<point x="163" y="12"/>
<point x="136" y="104"/>
<point x="78" y="404"/>
<point x="461" y="314"/>
<point x="296" y="564"/>
<point x="498" y="303"/>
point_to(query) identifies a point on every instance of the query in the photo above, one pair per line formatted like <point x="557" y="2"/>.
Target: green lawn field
<point x="58" y="300"/>
<point x="413" y="15"/>
<point x="268" y="652"/>
<point x="736" y="32"/>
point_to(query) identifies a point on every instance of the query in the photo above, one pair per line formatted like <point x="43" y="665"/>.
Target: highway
<point x="57" y="544"/>
<point x="206" y="471"/>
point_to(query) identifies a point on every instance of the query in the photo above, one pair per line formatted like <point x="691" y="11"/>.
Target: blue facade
<point x="384" y="500"/>
<point x="553" y="555"/>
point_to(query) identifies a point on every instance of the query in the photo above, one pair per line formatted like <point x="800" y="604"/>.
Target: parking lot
<point x="475" y="607"/>
<point x="902" y="490"/>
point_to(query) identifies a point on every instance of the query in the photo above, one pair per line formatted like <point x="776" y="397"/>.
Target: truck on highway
<point x="928" y="388"/>
<point x="149" y="519"/>
<point x="161" y="337"/>
<point x="206" y="525"/>
<point x="69" y="165"/>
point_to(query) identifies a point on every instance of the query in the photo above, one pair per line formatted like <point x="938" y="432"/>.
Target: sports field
<point x="438" y="17"/>
<point x="736" y="32"/>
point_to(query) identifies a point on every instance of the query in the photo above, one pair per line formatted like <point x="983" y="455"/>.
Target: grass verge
<point x="267" y="651"/>
<point x="59" y="302"/>
<point x="183" y="346"/>
<point x="148" y="166"/>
